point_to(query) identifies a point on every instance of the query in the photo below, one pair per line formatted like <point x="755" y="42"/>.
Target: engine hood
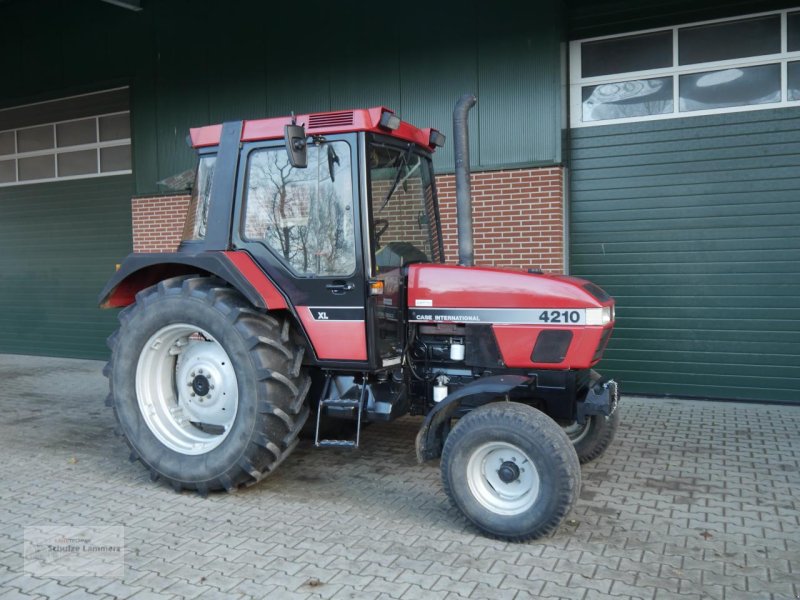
<point x="450" y="286"/>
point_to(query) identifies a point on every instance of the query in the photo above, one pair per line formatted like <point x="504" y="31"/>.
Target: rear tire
<point x="208" y="393"/>
<point x="511" y="470"/>
<point x="594" y="437"/>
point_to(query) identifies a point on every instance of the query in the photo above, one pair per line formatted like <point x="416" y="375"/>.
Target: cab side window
<point x="305" y="216"/>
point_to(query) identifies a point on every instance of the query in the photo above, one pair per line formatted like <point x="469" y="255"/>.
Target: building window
<point x="57" y="139"/>
<point x="728" y="65"/>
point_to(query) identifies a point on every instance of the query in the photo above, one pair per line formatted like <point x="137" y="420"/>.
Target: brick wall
<point x="518" y="219"/>
<point x="158" y="222"/>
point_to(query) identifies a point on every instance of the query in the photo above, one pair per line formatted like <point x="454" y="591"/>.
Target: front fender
<point x="430" y="439"/>
<point x="139" y="271"/>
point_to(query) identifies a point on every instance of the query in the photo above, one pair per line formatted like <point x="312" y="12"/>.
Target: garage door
<point x="59" y="243"/>
<point x="693" y="225"/>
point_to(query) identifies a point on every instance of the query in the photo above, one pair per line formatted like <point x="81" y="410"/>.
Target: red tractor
<point x="310" y="291"/>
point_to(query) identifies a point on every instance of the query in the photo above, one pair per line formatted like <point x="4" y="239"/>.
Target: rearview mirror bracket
<point x="296" y="146"/>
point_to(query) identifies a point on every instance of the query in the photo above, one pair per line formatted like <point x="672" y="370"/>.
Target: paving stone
<point x="15" y="594"/>
<point x="148" y="595"/>
<point x="184" y="589"/>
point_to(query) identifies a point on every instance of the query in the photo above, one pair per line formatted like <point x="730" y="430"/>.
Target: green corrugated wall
<point x="59" y="243"/>
<point x="195" y="62"/>
<point x="266" y="59"/>
<point x="693" y="225"/>
<point x="590" y="18"/>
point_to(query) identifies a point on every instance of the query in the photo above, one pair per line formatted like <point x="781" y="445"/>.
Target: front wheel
<point x="511" y="470"/>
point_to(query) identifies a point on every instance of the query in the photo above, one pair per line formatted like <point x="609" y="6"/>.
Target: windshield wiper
<point x="403" y="163"/>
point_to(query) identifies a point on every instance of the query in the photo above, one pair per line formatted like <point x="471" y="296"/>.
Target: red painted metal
<point x="516" y="344"/>
<point x="273" y="299"/>
<point x="367" y="119"/>
<point x="448" y="286"/>
<point x="335" y="340"/>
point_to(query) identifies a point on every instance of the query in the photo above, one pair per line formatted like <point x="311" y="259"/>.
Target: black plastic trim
<point x="223" y="186"/>
<point x="551" y="346"/>
<point x="430" y="438"/>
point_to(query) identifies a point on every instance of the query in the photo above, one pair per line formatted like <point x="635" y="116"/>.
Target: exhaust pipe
<point x="466" y="251"/>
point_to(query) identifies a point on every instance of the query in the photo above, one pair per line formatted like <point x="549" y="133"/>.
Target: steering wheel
<point x="381" y="225"/>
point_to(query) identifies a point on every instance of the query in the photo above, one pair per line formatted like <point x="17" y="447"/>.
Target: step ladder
<point x="340" y="403"/>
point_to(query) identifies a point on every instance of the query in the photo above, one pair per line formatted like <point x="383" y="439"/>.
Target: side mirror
<point x="296" y="145"/>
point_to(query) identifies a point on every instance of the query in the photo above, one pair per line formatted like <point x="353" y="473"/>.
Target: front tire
<point x="207" y="392"/>
<point x="511" y="470"/>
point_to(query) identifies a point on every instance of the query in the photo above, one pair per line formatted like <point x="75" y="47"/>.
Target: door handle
<point x="340" y="287"/>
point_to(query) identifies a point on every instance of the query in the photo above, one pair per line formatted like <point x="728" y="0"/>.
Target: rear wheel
<point x="594" y="437"/>
<point x="207" y="392"/>
<point x="511" y="470"/>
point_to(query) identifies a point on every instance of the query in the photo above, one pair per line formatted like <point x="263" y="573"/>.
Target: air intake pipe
<point x="466" y="253"/>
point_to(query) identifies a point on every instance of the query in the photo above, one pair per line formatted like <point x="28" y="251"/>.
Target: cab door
<point x="403" y="226"/>
<point x="301" y="225"/>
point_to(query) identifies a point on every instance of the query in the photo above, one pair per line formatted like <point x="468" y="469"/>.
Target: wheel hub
<point x="209" y="393"/>
<point x="503" y="478"/>
<point x="187" y="389"/>
<point x="201" y="385"/>
<point x="508" y="472"/>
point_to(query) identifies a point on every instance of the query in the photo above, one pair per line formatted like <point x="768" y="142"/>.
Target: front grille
<point x="602" y="345"/>
<point x="333" y="119"/>
<point x="551" y="346"/>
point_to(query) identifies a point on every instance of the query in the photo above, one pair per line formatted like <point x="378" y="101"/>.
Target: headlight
<point x="599" y="316"/>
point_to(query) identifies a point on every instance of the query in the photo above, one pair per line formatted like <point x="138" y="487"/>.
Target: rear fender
<point x="430" y="439"/>
<point x="139" y="271"/>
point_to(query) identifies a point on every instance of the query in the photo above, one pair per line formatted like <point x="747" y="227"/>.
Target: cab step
<point x="344" y="406"/>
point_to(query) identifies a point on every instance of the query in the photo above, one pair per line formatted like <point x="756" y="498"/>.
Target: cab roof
<point x="342" y="121"/>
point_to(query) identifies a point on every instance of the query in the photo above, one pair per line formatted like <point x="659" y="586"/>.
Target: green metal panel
<point x="590" y="18"/>
<point x="692" y="225"/>
<point x="51" y="48"/>
<point x="520" y="62"/>
<point x="194" y="62"/>
<point x="507" y="54"/>
<point x="182" y="90"/>
<point x="59" y="243"/>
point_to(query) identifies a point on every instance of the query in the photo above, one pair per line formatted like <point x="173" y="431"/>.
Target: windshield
<point x="194" y="228"/>
<point x="405" y="218"/>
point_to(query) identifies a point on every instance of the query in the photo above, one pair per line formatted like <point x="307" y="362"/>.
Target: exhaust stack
<point x="466" y="254"/>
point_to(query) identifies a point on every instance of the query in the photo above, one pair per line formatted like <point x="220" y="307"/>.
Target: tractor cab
<point x="332" y="216"/>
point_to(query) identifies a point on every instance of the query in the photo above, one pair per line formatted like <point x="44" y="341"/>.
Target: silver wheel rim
<point x="577" y="432"/>
<point x="490" y="490"/>
<point x="187" y="389"/>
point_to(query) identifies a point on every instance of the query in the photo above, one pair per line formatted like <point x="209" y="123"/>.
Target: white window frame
<point x="577" y="83"/>
<point x="56" y="150"/>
